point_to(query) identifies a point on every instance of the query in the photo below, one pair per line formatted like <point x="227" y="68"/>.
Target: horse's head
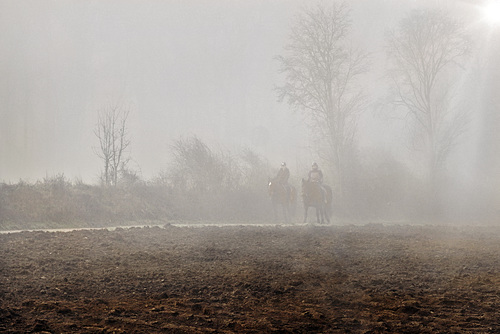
<point x="270" y="186"/>
<point x="275" y="188"/>
<point x="310" y="190"/>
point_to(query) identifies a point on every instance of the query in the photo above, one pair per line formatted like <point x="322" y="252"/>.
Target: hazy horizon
<point x="182" y="68"/>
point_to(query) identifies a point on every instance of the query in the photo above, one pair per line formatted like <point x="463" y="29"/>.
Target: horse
<point x="317" y="196"/>
<point x="280" y="197"/>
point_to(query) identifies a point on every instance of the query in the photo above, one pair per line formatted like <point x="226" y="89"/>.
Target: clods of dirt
<point x="243" y="279"/>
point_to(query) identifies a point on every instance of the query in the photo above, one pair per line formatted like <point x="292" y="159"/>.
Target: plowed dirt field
<point x="249" y="279"/>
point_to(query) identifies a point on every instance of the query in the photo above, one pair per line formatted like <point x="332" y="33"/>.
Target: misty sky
<point x="182" y="68"/>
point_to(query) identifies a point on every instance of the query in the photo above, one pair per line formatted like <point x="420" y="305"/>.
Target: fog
<point x="181" y="68"/>
<point x="202" y="68"/>
<point x="200" y="81"/>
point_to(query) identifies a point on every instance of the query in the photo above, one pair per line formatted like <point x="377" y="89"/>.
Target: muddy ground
<point x="241" y="279"/>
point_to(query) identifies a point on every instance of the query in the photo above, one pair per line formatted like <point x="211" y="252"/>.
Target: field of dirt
<point x="250" y="279"/>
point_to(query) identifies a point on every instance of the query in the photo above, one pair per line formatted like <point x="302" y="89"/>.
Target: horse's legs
<point x="318" y="215"/>
<point x="305" y="214"/>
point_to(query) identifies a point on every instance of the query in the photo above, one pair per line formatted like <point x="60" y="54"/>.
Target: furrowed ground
<point x="250" y="279"/>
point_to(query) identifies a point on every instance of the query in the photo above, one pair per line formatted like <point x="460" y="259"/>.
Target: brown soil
<point x="367" y="279"/>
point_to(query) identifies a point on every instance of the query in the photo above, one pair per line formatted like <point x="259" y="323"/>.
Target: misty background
<point x="208" y="69"/>
<point x="181" y="68"/>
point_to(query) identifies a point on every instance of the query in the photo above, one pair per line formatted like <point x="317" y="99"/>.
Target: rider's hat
<point x="283" y="164"/>
<point x="314" y="164"/>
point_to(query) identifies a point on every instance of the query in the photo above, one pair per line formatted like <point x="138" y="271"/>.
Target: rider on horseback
<point x="282" y="178"/>
<point x="316" y="176"/>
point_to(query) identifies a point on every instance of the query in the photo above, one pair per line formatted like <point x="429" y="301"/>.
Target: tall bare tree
<point x="322" y="71"/>
<point x="111" y="131"/>
<point x="426" y="50"/>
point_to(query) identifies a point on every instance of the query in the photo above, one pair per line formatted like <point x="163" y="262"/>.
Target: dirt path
<point x="244" y="279"/>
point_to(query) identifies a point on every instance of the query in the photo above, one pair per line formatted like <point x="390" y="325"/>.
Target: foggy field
<point x="250" y="166"/>
<point x="236" y="279"/>
<point x="164" y="101"/>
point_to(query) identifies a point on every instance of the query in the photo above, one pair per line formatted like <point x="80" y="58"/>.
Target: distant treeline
<point x="201" y="184"/>
<point x="57" y="203"/>
<point x="205" y="184"/>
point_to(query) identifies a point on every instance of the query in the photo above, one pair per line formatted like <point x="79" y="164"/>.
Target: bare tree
<point x="426" y="50"/>
<point x="111" y="131"/>
<point x="322" y="70"/>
